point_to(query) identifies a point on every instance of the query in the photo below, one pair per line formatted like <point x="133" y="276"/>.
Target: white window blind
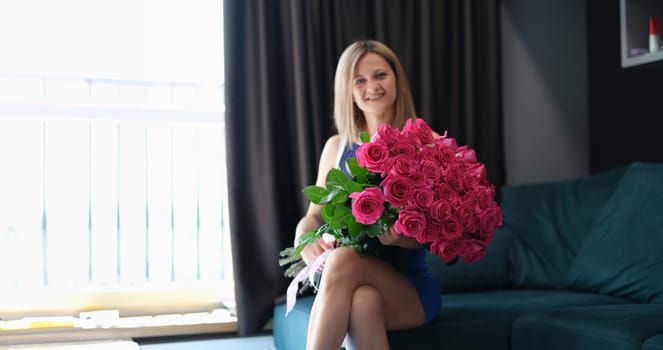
<point x="105" y="202"/>
<point x="112" y="163"/>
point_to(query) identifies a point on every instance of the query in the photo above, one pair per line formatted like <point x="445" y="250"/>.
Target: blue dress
<point x="414" y="264"/>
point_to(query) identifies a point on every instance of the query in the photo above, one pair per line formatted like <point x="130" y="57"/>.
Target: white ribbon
<point x="308" y="271"/>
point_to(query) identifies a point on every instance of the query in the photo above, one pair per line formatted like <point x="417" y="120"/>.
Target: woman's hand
<point x="391" y="237"/>
<point x="313" y="250"/>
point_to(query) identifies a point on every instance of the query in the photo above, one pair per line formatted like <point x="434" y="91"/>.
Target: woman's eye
<point x="381" y="75"/>
<point x="360" y="81"/>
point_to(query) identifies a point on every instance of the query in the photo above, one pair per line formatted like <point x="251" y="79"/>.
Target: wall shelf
<point x="634" y="27"/>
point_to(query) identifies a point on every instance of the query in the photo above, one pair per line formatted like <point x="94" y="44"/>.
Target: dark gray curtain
<point x="280" y="58"/>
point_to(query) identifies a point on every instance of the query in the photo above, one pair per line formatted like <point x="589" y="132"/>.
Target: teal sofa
<point x="578" y="264"/>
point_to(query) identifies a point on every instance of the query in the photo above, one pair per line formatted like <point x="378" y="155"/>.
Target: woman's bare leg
<point x="367" y="327"/>
<point x="332" y="313"/>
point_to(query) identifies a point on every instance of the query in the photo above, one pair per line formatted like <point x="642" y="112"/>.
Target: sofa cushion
<point x="653" y="343"/>
<point x="482" y="320"/>
<point x="606" y="327"/>
<point x="622" y="256"/>
<point x="290" y="332"/>
<point x="549" y="222"/>
<point x="512" y="303"/>
<point x="478" y="320"/>
<point x="468" y="334"/>
<point x="544" y="226"/>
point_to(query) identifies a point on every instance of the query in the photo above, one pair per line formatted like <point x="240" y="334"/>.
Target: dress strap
<point x="341" y="149"/>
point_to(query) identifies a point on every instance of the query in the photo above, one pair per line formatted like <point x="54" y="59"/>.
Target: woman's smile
<point x="374" y="97"/>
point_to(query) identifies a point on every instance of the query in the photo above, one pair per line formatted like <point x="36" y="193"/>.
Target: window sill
<point x="68" y="334"/>
<point x="154" y="299"/>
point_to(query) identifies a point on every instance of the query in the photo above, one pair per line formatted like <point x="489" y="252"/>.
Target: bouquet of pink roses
<point x="426" y="186"/>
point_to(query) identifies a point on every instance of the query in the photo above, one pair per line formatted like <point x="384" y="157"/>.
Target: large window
<point x="112" y="163"/>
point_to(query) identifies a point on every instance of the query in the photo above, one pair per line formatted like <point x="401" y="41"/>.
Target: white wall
<point x="544" y="67"/>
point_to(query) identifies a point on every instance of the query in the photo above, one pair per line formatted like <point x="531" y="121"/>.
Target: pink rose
<point x="368" y="205"/>
<point x="410" y="223"/>
<point x="422" y="198"/>
<point x="451" y="229"/>
<point x="454" y="175"/>
<point x="387" y="134"/>
<point x="477" y="170"/>
<point x="439" y="210"/>
<point x="470" y="184"/>
<point x="468" y="220"/>
<point x="447" y="142"/>
<point x="418" y="132"/>
<point x="428" y="153"/>
<point x="486" y="197"/>
<point x="398" y="190"/>
<point x="484" y="237"/>
<point x="473" y="251"/>
<point x="440" y="154"/>
<point x="432" y="170"/>
<point x="409" y="132"/>
<point x="448" y="250"/>
<point x="445" y="192"/>
<point x="403" y="147"/>
<point x="403" y="165"/>
<point x="471" y="201"/>
<point x="373" y="156"/>
<point x="424" y="131"/>
<point x="489" y="220"/>
<point x="429" y="234"/>
<point x="418" y="178"/>
<point x="466" y="154"/>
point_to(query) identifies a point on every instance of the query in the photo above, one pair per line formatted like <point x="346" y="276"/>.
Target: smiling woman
<point x="112" y="144"/>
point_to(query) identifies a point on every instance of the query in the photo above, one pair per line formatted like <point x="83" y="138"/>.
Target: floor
<point x="87" y="345"/>
<point x="247" y="343"/>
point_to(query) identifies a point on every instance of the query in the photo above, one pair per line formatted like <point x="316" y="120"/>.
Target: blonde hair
<point x="348" y="117"/>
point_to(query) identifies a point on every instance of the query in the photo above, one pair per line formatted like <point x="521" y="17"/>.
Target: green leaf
<point x="357" y="171"/>
<point x="337" y="233"/>
<point x="355" y="187"/>
<point x="322" y="230"/>
<point x="315" y="193"/>
<point x="376" y="229"/>
<point x="340" y="218"/>
<point x="330" y="196"/>
<point x="337" y="195"/>
<point x="364" y="136"/>
<point x="327" y="212"/>
<point x="361" y="236"/>
<point x="341" y="197"/>
<point x="305" y="239"/>
<point x="336" y="177"/>
<point x="354" y="228"/>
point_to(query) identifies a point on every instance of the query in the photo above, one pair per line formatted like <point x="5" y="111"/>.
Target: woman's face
<point x="374" y="85"/>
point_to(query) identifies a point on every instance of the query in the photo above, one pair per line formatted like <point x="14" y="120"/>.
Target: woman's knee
<point x="341" y="265"/>
<point x="366" y="302"/>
